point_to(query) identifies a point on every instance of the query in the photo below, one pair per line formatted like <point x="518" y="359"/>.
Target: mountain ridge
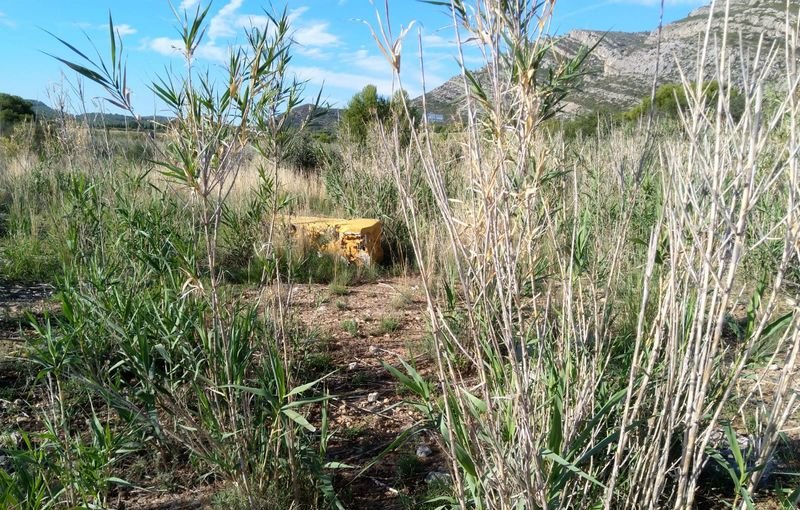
<point x="620" y="69"/>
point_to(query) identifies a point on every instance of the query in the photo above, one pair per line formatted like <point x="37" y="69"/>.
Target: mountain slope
<point x="620" y="70"/>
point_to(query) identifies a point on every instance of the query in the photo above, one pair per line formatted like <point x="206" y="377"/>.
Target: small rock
<point x="352" y="366"/>
<point x="438" y="476"/>
<point x="372" y="397"/>
<point x="373" y="349"/>
<point x="424" y="451"/>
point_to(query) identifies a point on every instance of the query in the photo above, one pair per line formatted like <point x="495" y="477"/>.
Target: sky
<point x="334" y="47"/>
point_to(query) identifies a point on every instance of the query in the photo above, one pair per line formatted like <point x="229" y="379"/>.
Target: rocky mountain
<point x="620" y="70"/>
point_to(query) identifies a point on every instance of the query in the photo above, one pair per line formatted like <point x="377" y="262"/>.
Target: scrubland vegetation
<point x="611" y="314"/>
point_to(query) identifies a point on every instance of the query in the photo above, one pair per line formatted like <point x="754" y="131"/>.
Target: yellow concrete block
<point x="356" y="240"/>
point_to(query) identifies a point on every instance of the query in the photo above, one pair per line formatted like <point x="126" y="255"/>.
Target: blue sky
<point x="333" y="46"/>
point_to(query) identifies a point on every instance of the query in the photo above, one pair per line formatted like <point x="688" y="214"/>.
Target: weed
<point x="400" y="301"/>
<point x="389" y="324"/>
<point x="575" y="298"/>
<point x="336" y="289"/>
<point x="354" y="432"/>
<point x="148" y="330"/>
<point x="351" y="326"/>
<point x="409" y="468"/>
<point x="319" y="364"/>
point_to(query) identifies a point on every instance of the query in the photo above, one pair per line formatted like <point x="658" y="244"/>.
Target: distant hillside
<point x="41" y="110"/>
<point x="621" y="68"/>
<point x="96" y="119"/>
<point x="325" y="119"/>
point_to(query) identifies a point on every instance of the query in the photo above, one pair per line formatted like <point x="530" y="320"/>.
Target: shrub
<point x="13" y="110"/>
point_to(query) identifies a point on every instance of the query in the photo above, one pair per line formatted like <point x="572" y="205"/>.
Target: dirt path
<point x="361" y="328"/>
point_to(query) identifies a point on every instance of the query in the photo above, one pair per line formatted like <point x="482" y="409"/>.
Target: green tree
<point x="363" y="109"/>
<point x="670" y="99"/>
<point x="13" y="109"/>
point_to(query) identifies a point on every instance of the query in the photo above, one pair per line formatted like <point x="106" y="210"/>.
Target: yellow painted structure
<point x="356" y="240"/>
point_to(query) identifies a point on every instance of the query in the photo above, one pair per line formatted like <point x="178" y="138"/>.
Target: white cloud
<point x="188" y="4"/>
<point x="211" y="51"/>
<point x="316" y="34"/>
<point x="227" y="22"/>
<point x="166" y="46"/>
<point x="252" y="21"/>
<point x="174" y="48"/>
<point x="124" y="29"/>
<point x="436" y="41"/>
<point x="343" y="80"/>
<point x="314" y="53"/>
<point x="372" y="63"/>
<point x="6" y="21"/>
<point x="446" y="42"/>
<point x="223" y="23"/>
<point x="295" y="14"/>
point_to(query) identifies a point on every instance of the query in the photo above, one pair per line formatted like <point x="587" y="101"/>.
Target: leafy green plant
<point x="671" y="99"/>
<point x="739" y="470"/>
<point x="409" y="467"/>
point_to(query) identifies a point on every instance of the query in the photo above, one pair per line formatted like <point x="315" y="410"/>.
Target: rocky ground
<point x="364" y="327"/>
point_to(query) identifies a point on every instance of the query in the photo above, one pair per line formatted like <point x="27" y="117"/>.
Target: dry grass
<point x="634" y="250"/>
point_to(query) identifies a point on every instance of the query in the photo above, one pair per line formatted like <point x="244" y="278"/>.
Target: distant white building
<point x="435" y="118"/>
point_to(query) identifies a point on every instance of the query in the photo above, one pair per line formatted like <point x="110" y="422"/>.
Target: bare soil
<point x="368" y="414"/>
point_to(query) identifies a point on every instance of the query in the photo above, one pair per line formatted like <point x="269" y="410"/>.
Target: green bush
<point x="14" y="110"/>
<point x="670" y="100"/>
